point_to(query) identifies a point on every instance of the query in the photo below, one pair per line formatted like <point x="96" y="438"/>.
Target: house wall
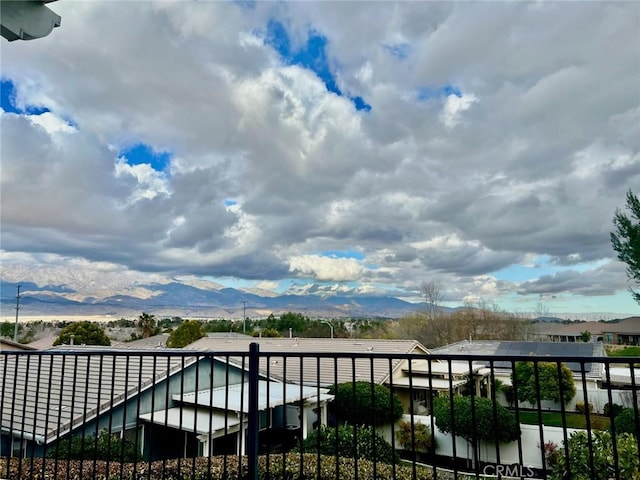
<point x="125" y="416"/>
<point x="530" y="440"/>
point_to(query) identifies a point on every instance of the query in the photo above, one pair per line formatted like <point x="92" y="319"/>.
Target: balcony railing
<point x="123" y="414"/>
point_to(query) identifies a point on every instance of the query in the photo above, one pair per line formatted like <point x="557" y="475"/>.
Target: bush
<point x="612" y="409"/>
<point x="579" y="460"/>
<point x="291" y="466"/>
<point x="581" y="409"/>
<point x="625" y="422"/>
<point x="104" y="447"/>
<point x="353" y="404"/>
<point x="421" y="440"/>
<point x="351" y="441"/>
<point x="330" y="468"/>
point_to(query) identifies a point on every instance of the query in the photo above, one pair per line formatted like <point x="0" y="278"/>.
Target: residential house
<point x="589" y="376"/>
<point x="411" y="381"/>
<point x="622" y="332"/>
<point x="625" y="332"/>
<point x="143" y="395"/>
<point x="571" y="332"/>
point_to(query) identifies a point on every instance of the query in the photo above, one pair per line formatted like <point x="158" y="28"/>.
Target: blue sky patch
<point x="230" y="203"/>
<point x="141" y="153"/>
<point x="425" y="93"/>
<point x="248" y="4"/>
<point x="343" y="254"/>
<point x="312" y="56"/>
<point x="361" y="104"/>
<point x="398" y="50"/>
<point x="8" y="100"/>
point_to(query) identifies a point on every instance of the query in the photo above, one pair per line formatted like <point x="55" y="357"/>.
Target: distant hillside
<point x="176" y="299"/>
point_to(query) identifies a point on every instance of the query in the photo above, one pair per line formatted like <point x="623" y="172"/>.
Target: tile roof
<point x="6" y="344"/>
<point x="311" y="370"/>
<point x="490" y="348"/>
<point x="629" y="325"/>
<point x="574" y="329"/>
<point x="46" y="393"/>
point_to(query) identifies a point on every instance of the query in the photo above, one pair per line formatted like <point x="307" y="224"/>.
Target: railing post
<point x="254" y="415"/>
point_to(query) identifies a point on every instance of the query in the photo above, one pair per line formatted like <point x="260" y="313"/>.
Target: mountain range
<point x="203" y="300"/>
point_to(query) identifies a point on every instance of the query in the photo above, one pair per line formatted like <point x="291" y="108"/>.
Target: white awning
<point x="201" y="422"/>
<point x="270" y="394"/>
<point x="437" y="367"/>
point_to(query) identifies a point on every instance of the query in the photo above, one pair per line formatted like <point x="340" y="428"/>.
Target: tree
<point x="474" y="418"/>
<point x="7" y="329"/>
<point x="350" y="441"/>
<point x="433" y="294"/>
<point x="481" y="321"/>
<point x="585" y="336"/>
<point x="363" y="403"/>
<point x="147" y="325"/>
<point x="626" y="240"/>
<point x="187" y="332"/>
<point x="84" y="333"/>
<point x="478" y="421"/>
<point x="577" y="465"/>
<point x="549" y="384"/>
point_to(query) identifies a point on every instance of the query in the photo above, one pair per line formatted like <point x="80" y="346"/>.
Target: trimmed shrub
<point x="625" y="422"/>
<point x="612" y="409"/>
<point x="290" y="466"/>
<point x="349" y="441"/>
<point x="478" y="421"/>
<point x="580" y="408"/>
<point x="421" y="440"/>
<point x="363" y="403"/>
<point x="103" y="447"/>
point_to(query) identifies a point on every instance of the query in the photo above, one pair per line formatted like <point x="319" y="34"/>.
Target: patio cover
<point x="422" y="383"/>
<point x="270" y="394"/>
<point x="200" y="421"/>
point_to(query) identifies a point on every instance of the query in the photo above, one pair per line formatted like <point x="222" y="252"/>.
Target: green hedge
<point x="214" y="468"/>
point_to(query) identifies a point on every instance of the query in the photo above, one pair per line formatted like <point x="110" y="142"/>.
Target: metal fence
<point x="121" y="414"/>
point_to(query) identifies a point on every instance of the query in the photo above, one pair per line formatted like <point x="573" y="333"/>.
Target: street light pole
<point x="244" y="317"/>
<point x="15" y="329"/>
<point x="330" y="326"/>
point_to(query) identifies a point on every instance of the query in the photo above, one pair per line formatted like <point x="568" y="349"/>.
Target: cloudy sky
<point x="353" y="147"/>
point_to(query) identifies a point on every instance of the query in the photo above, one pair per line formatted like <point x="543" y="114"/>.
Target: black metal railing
<point x="123" y="414"/>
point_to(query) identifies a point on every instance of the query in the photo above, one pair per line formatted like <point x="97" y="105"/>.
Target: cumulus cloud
<point x="523" y="148"/>
<point x="326" y="268"/>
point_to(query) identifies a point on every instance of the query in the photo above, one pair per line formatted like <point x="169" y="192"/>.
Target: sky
<point x="359" y="148"/>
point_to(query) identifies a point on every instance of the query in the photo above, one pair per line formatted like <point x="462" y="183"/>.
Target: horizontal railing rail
<point x="88" y="412"/>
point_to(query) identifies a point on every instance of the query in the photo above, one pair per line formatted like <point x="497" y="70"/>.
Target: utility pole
<point x="15" y="329"/>
<point x="244" y="316"/>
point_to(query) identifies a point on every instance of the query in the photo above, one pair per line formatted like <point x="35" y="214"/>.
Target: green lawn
<point x="624" y="352"/>
<point x="574" y="420"/>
